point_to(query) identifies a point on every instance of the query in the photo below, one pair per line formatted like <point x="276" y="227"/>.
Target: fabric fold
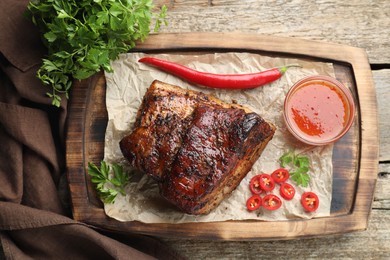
<point x="20" y="41"/>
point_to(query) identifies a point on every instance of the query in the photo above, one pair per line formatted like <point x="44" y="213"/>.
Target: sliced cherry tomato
<point x="272" y="202"/>
<point x="254" y="185"/>
<point x="310" y="201"/>
<point x="287" y="191"/>
<point x="266" y="182"/>
<point x="280" y="175"/>
<point x="254" y="202"/>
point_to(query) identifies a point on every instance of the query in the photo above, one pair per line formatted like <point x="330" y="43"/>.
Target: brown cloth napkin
<point x="35" y="219"/>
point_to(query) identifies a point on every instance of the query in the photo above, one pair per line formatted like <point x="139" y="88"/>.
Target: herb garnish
<point x="83" y="36"/>
<point x="300" y="167"/>
<point x="102" y="176"/>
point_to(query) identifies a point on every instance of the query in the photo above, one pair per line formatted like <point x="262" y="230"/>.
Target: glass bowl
<point x="319" y="110"/>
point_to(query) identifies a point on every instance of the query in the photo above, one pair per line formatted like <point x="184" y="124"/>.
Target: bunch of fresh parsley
<point x="83" y="36"/>
<point x="299" y="164"/>
<point x="108" y="183"/>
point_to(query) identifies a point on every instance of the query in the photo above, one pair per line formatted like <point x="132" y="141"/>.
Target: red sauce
<point x="317" y="110"/>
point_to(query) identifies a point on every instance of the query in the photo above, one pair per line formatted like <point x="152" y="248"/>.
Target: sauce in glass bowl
<point x="318" y="110"/>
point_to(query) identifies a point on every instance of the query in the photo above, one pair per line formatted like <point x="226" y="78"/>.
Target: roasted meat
<point x="218" y="150"/>
<point x="197" y="147"/>
<point x="162" y="120"/>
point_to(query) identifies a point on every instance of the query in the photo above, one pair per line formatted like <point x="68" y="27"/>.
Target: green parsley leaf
<point x="286" y="159"/>
<point x="300" y="178"/>
<point x="301" y="161"/>
<point x="83" y="36"/>
<point x="299" y="164"/>
<point x="108" y="184"/>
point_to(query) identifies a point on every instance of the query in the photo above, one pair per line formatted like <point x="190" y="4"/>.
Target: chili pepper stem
<point x="283" y="69"/>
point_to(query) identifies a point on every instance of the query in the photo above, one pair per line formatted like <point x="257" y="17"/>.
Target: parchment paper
<point x="125" y="89"/>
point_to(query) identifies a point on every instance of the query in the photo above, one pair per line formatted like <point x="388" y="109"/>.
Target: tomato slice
<point x="272" y="202"/>
<point x="310" y="201"/>
<point x="266" y="182"/>
<point x="254" y="185"/>
<point x="287" y="191"/>
<point x="254" y="202"/>
<point x="280" y="175"/>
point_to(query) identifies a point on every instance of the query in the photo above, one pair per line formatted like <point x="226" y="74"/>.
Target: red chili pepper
<point x="287" y="191"/>
<point x="266" y="182"/>
<point x="254" y="185"/>
<point x="280" y="175"/>
<point x="272" y="202"/>
<point x="310" y="201"/>
<point x="227" y="81"/>
<point x="253" y="202"/>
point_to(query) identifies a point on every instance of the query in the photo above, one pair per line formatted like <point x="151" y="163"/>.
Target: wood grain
<point x="356" y="184"/>
<point x="382" y="83"/>
<point x="360" y="23"/>
<point x="359" y="245"/>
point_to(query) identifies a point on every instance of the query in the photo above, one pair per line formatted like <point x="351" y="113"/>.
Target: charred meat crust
<point x="197" y="147"/>
<point x="164" y="115"/>
<point x="208" y="164"/>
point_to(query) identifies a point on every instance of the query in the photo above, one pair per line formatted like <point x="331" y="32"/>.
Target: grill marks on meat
<point x="197" y="147"/>
<point x="207" y="152"/>
<point x="152" y="148"/>
<point x="162" y="119"/>
<point x="216" y="143"/>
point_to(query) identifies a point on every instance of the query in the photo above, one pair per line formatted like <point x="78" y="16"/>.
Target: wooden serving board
<point x="355" y="156"/>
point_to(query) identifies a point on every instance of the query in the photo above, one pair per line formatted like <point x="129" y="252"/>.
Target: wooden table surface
<point x="360" y="23"/>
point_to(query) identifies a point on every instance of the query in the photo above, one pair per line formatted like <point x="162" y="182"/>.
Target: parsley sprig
<point x="101" y="176"/>
<point x="83" y="36"/>
<point x="300" y="167"/>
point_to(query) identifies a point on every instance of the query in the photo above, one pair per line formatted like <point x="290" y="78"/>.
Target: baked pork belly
<point x="196" y="146"/>
<point x="161" y="122"/>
